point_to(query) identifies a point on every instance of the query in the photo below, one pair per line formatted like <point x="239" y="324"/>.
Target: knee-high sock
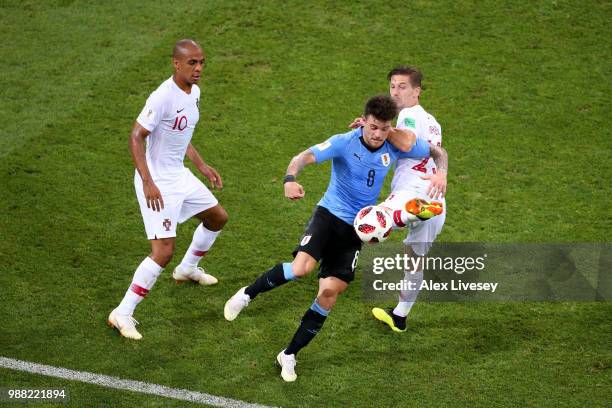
<point x="408" y="297"/>
<point x="277" y="275"/>
<point x="202" y="240"/>
<point x="309" y="327"/>
<point x="144" y="278"/>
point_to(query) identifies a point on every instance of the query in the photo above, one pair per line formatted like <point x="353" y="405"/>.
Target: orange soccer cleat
<point x="423" y="209"/>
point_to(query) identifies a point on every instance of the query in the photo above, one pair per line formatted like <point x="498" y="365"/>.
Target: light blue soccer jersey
<point x="358" y="171"/>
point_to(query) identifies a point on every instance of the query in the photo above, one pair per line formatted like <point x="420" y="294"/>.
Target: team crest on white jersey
<point x="386" y="159"/>
<point x="305" y="240"/>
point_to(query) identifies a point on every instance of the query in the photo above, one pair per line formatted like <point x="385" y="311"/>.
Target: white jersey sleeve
<point x="153" y="111"/>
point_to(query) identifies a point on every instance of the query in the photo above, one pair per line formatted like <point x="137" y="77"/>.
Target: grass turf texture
<point x="521" y="91"/>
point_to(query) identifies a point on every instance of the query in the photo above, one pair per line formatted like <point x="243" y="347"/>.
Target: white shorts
<point x="421" y="234"/>
<point x="184" y="196"/>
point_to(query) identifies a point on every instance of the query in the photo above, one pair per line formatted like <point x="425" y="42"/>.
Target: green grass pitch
<point x="522" y="90"/>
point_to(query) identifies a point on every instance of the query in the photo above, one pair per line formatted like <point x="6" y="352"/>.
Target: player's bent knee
<point x="161" y="258"/>
<point x="164" y="256"/>
<point x="302" y="267"/>
<point x="221" y="218"/>
<point x="300" y="270"/>
<point x="162" y="251"/>
<point x="327" y="298"/>
<point x="328" y="293"/>
<point x="216" y="219"/>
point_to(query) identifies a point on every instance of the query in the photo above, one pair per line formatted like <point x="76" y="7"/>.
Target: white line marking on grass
<point x="121" y="384"/>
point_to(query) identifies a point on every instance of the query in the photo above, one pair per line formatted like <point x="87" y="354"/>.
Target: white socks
<point x="144" y="278"/>
<point x="408" y="297"/>
<point x="147" y="272"/>
<point x="203" y="239"/>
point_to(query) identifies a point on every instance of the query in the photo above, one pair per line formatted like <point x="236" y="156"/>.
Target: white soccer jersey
<point x="408" y="171"/>
<point x="170" y="115"/>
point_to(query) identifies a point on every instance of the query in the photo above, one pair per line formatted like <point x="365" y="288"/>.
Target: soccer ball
<point x="373" y="224"/>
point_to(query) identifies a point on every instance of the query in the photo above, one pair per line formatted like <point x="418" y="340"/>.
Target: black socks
<point x="309" y="327"/>
<point x="274" y="277"/>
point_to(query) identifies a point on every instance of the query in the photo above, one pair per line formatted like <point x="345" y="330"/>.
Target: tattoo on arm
<point x="439" y="156"/>
<point x="300" y="161"/>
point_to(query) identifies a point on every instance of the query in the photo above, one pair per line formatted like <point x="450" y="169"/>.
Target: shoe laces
<point x="128" y="321"/>
<point x="199" y="270"/>
<point x="133" y="321"/>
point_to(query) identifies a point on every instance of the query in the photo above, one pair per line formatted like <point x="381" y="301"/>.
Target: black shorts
<point x="333" y="242"/>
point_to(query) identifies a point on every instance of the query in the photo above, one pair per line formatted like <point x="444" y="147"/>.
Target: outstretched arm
<point x="207" y="171"/>
<point x="437" y="185"/>
<point x="293" y="190"/>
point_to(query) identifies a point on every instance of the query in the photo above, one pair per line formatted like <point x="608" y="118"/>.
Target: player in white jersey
<point x="411" y="183"/>
<point x="412" y="186"/>
<point x="168" y="192"/>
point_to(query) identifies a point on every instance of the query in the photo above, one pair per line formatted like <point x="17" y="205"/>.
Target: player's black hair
<point x="382" y="107"/>
<point x="415" y="74"/>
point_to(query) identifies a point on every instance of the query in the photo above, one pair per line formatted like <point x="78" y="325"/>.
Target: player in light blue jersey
<point x="358" y="170"/>
<point x="361" y="159"/>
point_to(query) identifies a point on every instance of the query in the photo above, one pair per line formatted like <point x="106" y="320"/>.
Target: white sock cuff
<point x="203" y="238"/>
<point x="403" y="308"/>
<point x="207" y="231"/>
<point x="151" y="266"/>
<point x="147" y="273"/>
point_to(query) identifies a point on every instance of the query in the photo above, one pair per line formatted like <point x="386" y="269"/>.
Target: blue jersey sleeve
<point x="330" y="148"/>
<point x="419" y="150"/>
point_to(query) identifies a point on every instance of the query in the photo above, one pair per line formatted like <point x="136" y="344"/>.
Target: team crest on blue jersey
<point x="386" y="159"/>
